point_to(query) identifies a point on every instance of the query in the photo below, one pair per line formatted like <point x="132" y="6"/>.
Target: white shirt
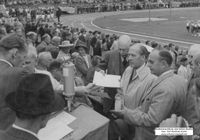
<point x="184" y="72"/>
<point x="3" y="60"/>
<point x="25" y="130"/>
<point x="86" y="60"/>
<point x="56" y="85"/>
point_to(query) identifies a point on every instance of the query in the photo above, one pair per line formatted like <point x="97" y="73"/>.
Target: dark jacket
<point x="9" y="79"/>
<point x="15" y="134"/>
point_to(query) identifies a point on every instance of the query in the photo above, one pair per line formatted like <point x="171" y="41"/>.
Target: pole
<point x="170" y="9"/>
<point x="149" y="11"/>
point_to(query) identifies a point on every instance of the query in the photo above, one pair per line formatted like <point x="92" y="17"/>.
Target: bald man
<point x="115" y="62"/>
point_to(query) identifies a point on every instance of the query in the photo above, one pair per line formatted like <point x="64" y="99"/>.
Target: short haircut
<point x="54" y="65"/>
<point x="31" y="35"/>
<point x="166" y="56"/>
<point x="12" y="41"/>
<point x="45" y="36"/>
<point x="144" y="51"/>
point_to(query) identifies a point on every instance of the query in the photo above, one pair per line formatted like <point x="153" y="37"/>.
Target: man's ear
<point x="164" y="63"/>
<point x="13" y="52"/>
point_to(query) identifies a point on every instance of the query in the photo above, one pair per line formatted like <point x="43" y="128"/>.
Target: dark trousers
<point x="119" y="128"/>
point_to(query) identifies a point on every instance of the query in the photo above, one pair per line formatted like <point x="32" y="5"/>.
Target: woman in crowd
<point x="83" y="60"/>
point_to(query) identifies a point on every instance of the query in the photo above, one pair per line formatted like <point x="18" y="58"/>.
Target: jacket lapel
<point x="127" y="79"/>
<point x="157" y="82"/>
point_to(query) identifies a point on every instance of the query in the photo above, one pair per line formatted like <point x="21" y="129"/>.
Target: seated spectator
<point x="83" y="61"/>
<point x="64" y="51"/>
<point x="55" y="42"/>
<point x="34" y="103"/>
<point x="31" y="38"/>
<point x="44" y="45"/>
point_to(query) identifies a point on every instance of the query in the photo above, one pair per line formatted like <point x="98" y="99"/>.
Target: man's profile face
<point x="123" y="51"/>
<point x="19" y="58"/>
<point x="134" y="58"/>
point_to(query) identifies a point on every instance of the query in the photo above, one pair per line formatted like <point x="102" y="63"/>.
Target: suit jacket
<point x="135" y="90"/>
<point x="15" y="134"/>
<point x="167" y="95"/>
<point x="113" y="63"/>
<point x="42" y="47"/>
<point x="82" y="67"/>
<point x="9" y="79"/>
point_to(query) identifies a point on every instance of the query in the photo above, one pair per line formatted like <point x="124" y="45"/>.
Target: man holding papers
<point x="115" y="64"/>
<point x="135" y="81"/>
<point x="34" y="102"/>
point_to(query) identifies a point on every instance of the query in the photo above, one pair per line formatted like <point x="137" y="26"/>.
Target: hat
<point x="80" y="43"/>
<point x="13" y="41"/>
<point x="35" y="96"/>
<point x="66" y="44"/>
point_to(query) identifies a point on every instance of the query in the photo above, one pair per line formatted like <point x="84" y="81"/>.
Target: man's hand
<point x="174" y="121"/>
<point x="119" y="114"/>
<point x="91" y="88"/>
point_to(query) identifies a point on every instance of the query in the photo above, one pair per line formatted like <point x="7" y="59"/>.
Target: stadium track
<point x="86" y="21"/>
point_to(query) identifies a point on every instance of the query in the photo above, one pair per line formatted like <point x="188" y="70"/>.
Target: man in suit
<point x="34" y="102"/>
<point x="167" y="95"/>
<point x="136" y="80"/>
<point x="115" y="62"/>
<point x="45" y="44"/>
<point x="13" y="51"/>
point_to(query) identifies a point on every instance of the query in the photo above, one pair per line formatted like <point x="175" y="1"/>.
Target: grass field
<point x="171" y="26"/>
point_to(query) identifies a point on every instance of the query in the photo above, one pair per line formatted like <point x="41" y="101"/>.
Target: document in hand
<point x="56" y="127"/>
<point x="106" y="80"/>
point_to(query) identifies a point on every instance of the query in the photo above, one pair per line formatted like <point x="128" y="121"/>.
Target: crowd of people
<point x="193" y="27"/>
<point x="159" y="84"/>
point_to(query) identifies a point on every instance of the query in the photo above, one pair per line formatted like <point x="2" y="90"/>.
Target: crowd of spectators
<point x="158" y="81"/>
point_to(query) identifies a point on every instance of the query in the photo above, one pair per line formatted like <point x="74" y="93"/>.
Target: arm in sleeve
<point x="151" y="113"/>
<point x="80" y="66"/>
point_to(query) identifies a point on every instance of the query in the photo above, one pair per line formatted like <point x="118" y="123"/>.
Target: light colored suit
<point x="135" y="90"/>
<point x="166" y="96"/>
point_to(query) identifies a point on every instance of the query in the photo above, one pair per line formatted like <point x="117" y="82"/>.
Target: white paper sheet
<point x="54" y="131"/>
<point x="106" y="80"/>
<point x="56" y="127"/>
<point x="63" y="117"/>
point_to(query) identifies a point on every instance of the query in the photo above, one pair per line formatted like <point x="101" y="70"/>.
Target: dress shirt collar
<point x="167" y="72"/>
<point x="7" y="62"/>
<point x="25" y="130"/>
<point x="141" y="72"/>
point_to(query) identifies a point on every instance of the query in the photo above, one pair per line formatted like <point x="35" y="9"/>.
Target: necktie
<point x="124" y="62"/>
<point x="133" y="74"/>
